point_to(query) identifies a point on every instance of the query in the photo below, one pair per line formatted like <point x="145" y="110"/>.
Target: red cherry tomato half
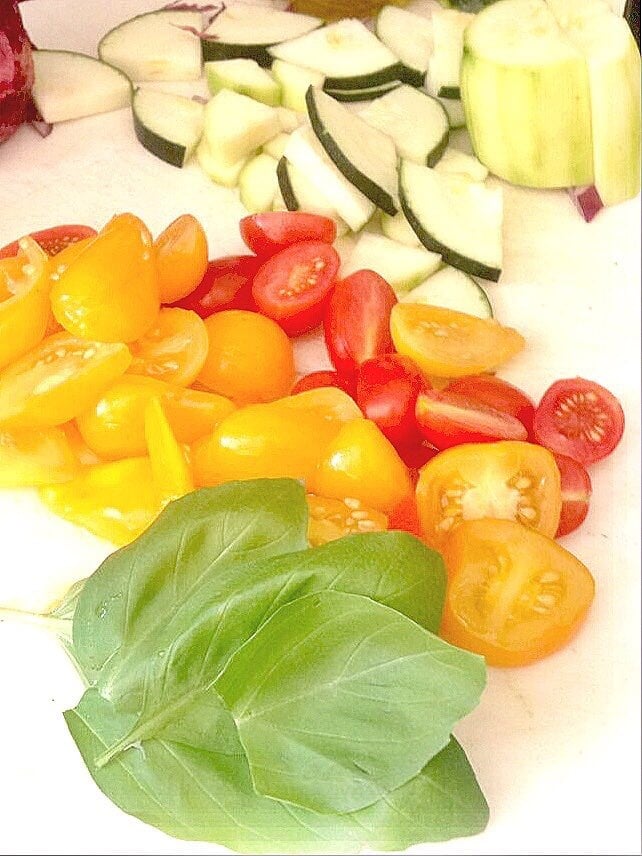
<point x="576" y="494"/>
<point x="227" y="284"/>
<point x="53" y="240"/>
<point x="448" y="419"/>
<point x="579" y="418"/>
<point x="498" y="394"/>
<point x="269" y="233"/>
<point x="357" y="323"/>
<point x="316" y="380"/>
<point x="387" y="390"/>
<point x="293" y="286"/>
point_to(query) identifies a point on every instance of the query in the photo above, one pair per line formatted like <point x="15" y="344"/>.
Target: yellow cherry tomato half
<point x="509" y="480"/>
<point x="85" y="456"/>
<point x="173" y="349"/>
<point x="109" y="290"/>
<point x="181" y="258"/>
<point x="360" y="463"/>
<point x="114" y="425"/>
<point x="328" y="402"/>
<point x="171" y="471"/>
<point x="513" y="595"/>
<point x="116" y="501"/>
<point x="445" y="343"/>
<point x="34" y="458"/>
<point x="250" y="359"/>
<point x="330" y="519"/>
<point x="57" y="380"/>
<point x="24" y="300"/>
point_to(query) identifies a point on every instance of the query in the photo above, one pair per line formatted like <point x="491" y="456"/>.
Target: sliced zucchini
<point x="217" y="168"/>
<point x="409" y="37"/>
<point x="402" y="266"/>
<point x="300" y="194"/>
<point x="455" y="112"/>
<point x="355" y="95"/>
<point x="459" y="163"/>
<point x="417" y="123"/>
<point x="236" y="126"/>
<point x="306" y="153"/>
<point x="452" y="289"/>
<point x="345" y="52"/>
<point x="398" y="229"/>
<point x="366" y="156"/>
<point x="169" y="126"/>
<point x="258" y="183"/>
<point x="244" y="30"/>
<point x="455" y="217"/>
<point x="295" y="82"/>
<point x="154" y="46"/>
<point x="245" y="76"/>
<point x="276" y="146"/>
<point x="444" y="66"/>
<point x="289" y="120"/>
<point x="72" y="85"/>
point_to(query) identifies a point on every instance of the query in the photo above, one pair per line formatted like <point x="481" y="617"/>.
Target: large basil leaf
<point x="339" y="700"/>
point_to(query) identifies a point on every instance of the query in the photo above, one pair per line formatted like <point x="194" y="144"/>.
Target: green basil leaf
<point x="339" y="700"/>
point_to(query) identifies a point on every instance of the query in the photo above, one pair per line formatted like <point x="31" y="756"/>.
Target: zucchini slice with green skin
<point x="236" y="126"/>
<point x="442" y="77"/>
<point x="403" y="267"/>
<point x="276" y="146"/>
<point x="417" y="123"/>
<point x="366" y="156"/>
<point x="452" y="289"/>
<point x="295" y="82"/>
<point x="300" y="194"/>
<point x="220" y="171"/>
<point x="72" y="85"/>
<point x="354" y="96"/>
<point x="154" y="46"/>
<point x="345" y="52"/>
<point x="247" y="31"/>
<point x="459" y="163"/>
<point x="258" y="183"/>
<point x="245" y="76"/>
<point x="455" y="112"/>
<point x="409" y="36"/>
<point x="455" y="217"/>
<point x="169" y="126"/>
<point x="398" y="229"/>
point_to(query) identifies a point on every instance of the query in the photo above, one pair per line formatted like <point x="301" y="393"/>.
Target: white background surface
<point x="556" y="746"/>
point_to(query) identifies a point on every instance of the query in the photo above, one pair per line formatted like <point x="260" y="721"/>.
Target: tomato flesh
<point x="580" y="419"/>
<point x="330" y="519"/>
<point x="34" y="458"/>
<point x="24" y="300"/>
<point x="315" y="380"/>
<point x="513" y="595"/>
<point x="174" y="349"/>
<point x="357" y="322"/>
<point x="293" y="286"/>
<point x="387" y="390"/>
<point x="52" y="240"/>
<point x="226" y="284"/>
<point x="448" y="419"/>
<point x="576" y="494"/>
<point x="269" y="233"/>
<point x="181" y="258"/>
<point x="498" y="394"/>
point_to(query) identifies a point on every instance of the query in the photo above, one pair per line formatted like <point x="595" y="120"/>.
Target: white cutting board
<point x="556" y="746"/>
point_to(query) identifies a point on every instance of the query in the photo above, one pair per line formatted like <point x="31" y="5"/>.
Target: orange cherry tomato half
<point x="24" y="300"/>
<point x="59" y="379"/>
<point x="576" y="494"/>
<point x="172" y="475"/>
<point x="450" y="344"/>
<point x="34" y="458"/>
<point x="330" y="519"/>
<point x="109" y="292"/>
<point x="53" y="240"/>
<point x="181" y="258"/>
<point x="174" y="349"/>
<point x="513" y="595"/>
<point x="250" y="359"/>
<point x="509" y="480"/>
<point x="269" y="233"/>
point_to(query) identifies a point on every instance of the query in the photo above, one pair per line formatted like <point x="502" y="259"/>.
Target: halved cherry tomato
<point x="174" y="349"/>
<point x="449" y="419"/>
<point x="114" y="425"/>
<point x="329" y="403"/>
<point x="52" y="240"/>
<point x="24" y="300"/>
<point x="387" y="390"/>
<point x="294" y="285"/>
<point x="34" y="458"/>
<point x="361" y="464"/>
<point x="59" y="379"/>
<point x="357" y="322"/>
<point x="116" y="501"/>
<point x="513" y="595"/>
<point x="314" y="380"/>
<point x="268" y="233"/>
<point x="250" y="359"/>
<point x="170" y="469"/>
<point x="576" y="494"/>
<point x="579" y="418"/>
<point x="451" y="344"/>
<point x="333" y="518"/>
<point x="181" y="258"/>
<point x="226" y="284"/>
<point x="415" y="455"/>
<point x="498" y="394"/>
<point x="405" y="517"/>
<point x="509" y="480"/>
<point x="85" y="456"/>
<point x="109" y="292"/>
